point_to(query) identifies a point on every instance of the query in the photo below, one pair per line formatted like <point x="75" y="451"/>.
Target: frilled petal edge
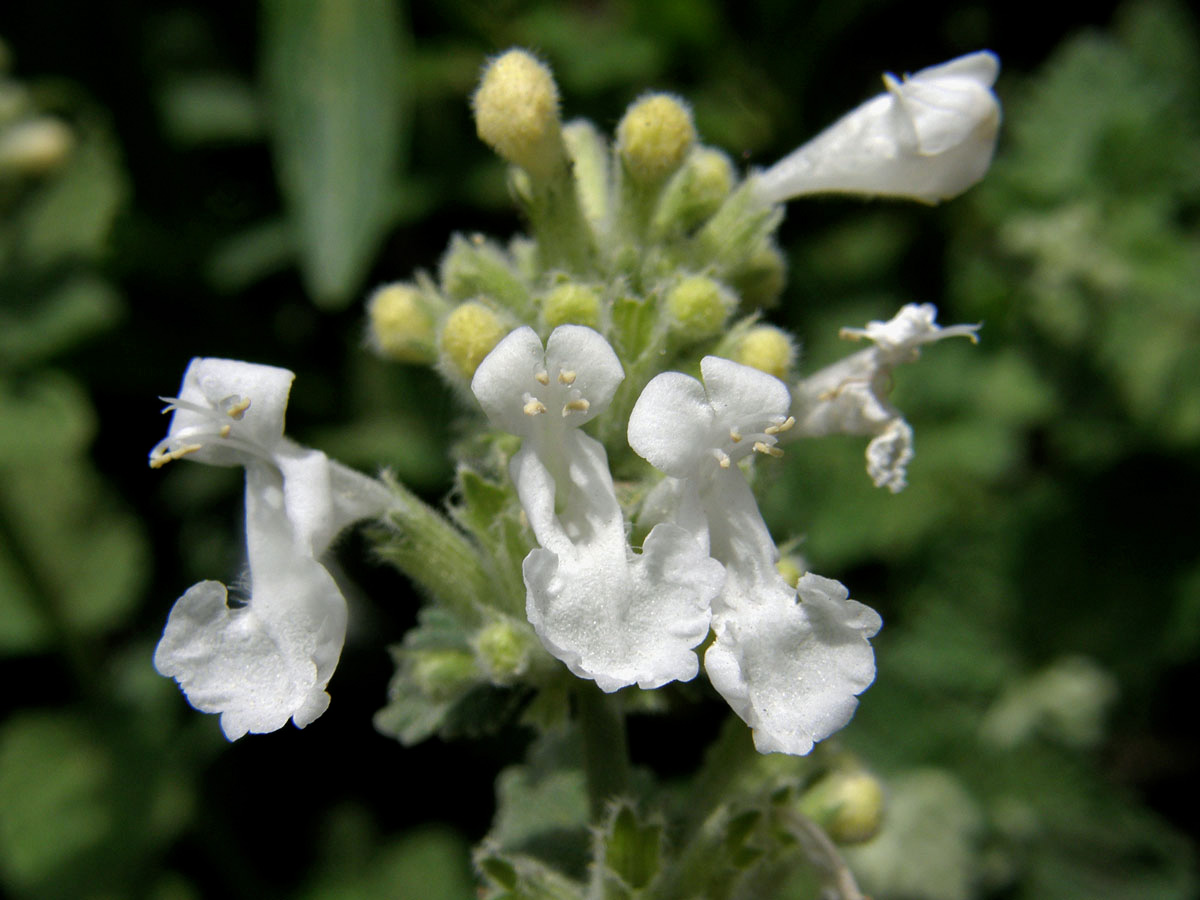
<point x="793" y="670"/>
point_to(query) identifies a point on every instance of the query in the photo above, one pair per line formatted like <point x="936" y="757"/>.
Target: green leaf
<point x="67" y="313"/>
<point x="632" y="848"/>
<point x="336" y="80"/>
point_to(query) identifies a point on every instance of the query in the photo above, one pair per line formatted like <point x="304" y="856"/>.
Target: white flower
<point x="611" y="615"/>
<point x="929" y="138"/>
<point x="269" y="659"/>
<point x="851" y="396"/>
<point x="790" y="666"/>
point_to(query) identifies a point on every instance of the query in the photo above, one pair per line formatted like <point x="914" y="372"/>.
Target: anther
<point x="782" y="426"/>
<point x="239" y="407"/>
<point x="542" y="377"/>
<point x="566" y="376"/>
<point x="575" y="406"/>
<point x="225" y="430"/>
<point x="534" y="407"/>
<point x="723" y="459"/>
<point x="760" y="447"/>
<point x="735" y="435"/>
<point x="157" y="462"/>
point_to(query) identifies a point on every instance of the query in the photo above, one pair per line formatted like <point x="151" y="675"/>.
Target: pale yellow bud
<point x="35" y="146"/>
<point x="516" y="113"/>
<point x="571" y="304"/>
<point x="468" y="335"/>
<point x="848" y="805"/>
<point x="654" y="137"/>
<point x="401" y="326"/>
<point x="766" y="348"/>
<point x="698" y="307"/>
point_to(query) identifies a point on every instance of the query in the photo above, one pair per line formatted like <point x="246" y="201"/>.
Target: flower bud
<point x="847" y="804"/>
<point x="468" y="335"/>
<point x="696" y="192"/>
<point x="766" y="348"/>
<point x="516" y="113"/>
<point x="401" y="326"/>
<point x="502" y="649"/>
<point x="698" y="306"/>
<point x="475" y="266"/>
<point x="35" y="146"/>
<point x="761" y="276"/>
<point x="654" y="136"/>
<point x="929" y="137"/>
<point x="443" y="674"/>
<point x="571" y="304"/>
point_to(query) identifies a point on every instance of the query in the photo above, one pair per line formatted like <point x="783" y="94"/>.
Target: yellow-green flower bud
<point x="468" y="335"/>
<point x="761" y="278"/>
<point x="503" y="651"/>
<point x="698" y="307"/>
<point x="401" y="325"/>
<point x="766" y="348"/>
<point x="571" y="304"/>
<point x="847" y="804"/>
<point x="654" y="137"/>
<point x="516" y="113"/>
<point x="35" y="146"/>
<point x="443" y="674"/>
<point x="696" y="192"/>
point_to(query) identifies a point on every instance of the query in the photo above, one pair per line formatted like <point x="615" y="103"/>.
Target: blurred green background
<point x="230" y="179"/>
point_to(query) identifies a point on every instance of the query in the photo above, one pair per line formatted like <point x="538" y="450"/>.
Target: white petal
<point x="792" y="670"/>
<point x="889" y="454"/>
<point x="269" y="660"/>
<point x="598" y="372"/>
<point x="577" y="365"/>
<point x="928" y="138"/>
<point x="671" y="424"/>
<point x="233" y="662"/>
<point x="742" y="395"/>
<point x="623" y="620"/>
<point x="901" y="336"/>
<point x="257" y="396"/>
<point x="504" y="376"/>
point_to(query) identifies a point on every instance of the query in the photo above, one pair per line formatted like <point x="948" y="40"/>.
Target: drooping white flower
<point x="265" y="661"/>
<point x="611" y="615"/>
<point x="929" y="137"/>
<point x="791" y="665"/>
<point x="851" y="396"/>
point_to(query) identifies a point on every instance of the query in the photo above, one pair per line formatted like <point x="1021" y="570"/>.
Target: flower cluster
<point x="606" y="519"/>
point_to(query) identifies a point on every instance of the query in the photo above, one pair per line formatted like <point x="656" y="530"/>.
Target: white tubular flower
<point x="790" y="669"/>
<point x="929" y="138"/>
<point x="851" y="396"/>
<point x="269" y="660"/>
<point x="611" y="615"/>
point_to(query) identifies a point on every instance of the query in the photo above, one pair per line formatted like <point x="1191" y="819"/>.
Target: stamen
<point x="157" y="462"/>
<point x="723" y="459"/>
<point x="534" y="407"/>
<point x="238" y="406"/>
<point x="566" y="376"/>
<point x="225" y="430"/>
<point x="542" y="377"/>
<point x="760" y="447"/>
<point x="575" y="406"/>
<point x="735" y="435"/>
<point x="782" y="426"/>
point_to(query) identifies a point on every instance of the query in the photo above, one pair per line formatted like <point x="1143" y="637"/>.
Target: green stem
<point x="605" y="749"/>
<point x="427" y="547"/>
